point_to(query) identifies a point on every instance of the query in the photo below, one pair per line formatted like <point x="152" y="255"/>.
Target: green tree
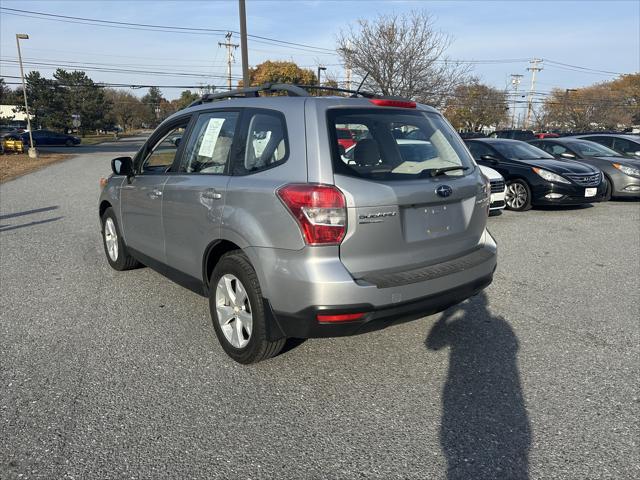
<point x="153" y="102"/>
<point x="45" y="101"/>
<point x="187" y="97"/>
<point x="81" y="96"/>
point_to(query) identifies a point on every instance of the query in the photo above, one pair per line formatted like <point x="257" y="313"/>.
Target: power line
<point x="146" y="26"/>
<point x="53" y="66"/>
<point x="593" y="70"/>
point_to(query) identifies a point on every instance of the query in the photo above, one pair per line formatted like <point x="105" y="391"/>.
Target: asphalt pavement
<point x="108" y="374"/>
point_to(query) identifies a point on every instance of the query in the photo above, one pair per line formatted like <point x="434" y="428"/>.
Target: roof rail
<point x="354" y="93"/>
<point x="292" y="90"/>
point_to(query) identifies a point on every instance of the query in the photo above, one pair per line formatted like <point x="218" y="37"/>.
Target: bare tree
<point x="403" y="55"/>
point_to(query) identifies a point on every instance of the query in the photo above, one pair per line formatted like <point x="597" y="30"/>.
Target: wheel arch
<point x="212" y="254"/>
<point x="104" y="204"/>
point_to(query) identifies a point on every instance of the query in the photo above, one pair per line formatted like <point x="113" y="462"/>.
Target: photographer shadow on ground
<point x="485" y="431"/>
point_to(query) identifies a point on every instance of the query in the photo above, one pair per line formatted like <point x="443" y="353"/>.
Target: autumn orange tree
<point x="280" y="72"/>
<point x="474" y="106"/>
<point x="606" y="105"/>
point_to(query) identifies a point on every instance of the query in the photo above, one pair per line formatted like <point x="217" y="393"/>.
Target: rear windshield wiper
<point x="434" y="172"/>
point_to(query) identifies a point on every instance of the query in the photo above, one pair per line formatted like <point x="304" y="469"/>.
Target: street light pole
<point x="320" y="69"/>
<point x="33" y="153"/>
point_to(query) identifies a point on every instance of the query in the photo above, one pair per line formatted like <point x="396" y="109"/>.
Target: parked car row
<point x="18" y="141"/>
<point x="557" y="171"/>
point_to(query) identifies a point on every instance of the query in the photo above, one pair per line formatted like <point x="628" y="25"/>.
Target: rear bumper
<point x="304" y="324"/>
<point x="301" y="284"/>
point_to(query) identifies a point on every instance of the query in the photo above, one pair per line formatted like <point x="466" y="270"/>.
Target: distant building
<point x="13" y="117"/>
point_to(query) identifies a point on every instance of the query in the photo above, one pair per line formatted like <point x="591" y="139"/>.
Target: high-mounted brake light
<point x="320" y="211"/>
<point x="343" y="317"/>
<point x="387" y="102"/>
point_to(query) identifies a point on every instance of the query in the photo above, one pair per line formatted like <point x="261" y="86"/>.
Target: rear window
<point x="520" y="150"/>
<point x="397" y="145"/>
<point x="593" y="149"/>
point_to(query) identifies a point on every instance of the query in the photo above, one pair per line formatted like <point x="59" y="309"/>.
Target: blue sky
<point x="603" y="35"/>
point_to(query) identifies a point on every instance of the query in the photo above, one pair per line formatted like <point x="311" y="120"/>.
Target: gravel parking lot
<point x="119" y="375"/>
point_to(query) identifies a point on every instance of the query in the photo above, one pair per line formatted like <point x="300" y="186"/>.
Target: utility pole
<point x="243" y="42"/>
<point x="534" y="68"/>
<point x="230" y="46"/>
<point x="33" y="153"/>
<point x="515" y="81"/>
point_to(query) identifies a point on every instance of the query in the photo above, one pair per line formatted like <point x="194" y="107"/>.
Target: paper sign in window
<point x="210" y="137"/>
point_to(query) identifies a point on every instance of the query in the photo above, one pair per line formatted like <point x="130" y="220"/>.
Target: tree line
<point x="55" y="102"/>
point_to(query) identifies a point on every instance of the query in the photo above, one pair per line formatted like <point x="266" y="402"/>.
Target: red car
<point x="547" y="135"/>
<point x="345" y="137"/>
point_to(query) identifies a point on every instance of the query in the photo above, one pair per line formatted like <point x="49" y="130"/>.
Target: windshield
<point x="397" y="145"/>
<point x="592" y="149"/>
<point x="521" y="151"/>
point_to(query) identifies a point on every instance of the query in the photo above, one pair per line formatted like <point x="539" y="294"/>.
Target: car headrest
<point x="366" y="152"/>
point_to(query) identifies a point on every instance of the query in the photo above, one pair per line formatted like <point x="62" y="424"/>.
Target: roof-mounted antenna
<point x="361" y="84"/>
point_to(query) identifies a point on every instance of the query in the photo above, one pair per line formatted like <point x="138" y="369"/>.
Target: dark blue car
<point x="43" y="138"/>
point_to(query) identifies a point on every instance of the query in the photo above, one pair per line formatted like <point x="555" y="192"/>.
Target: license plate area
<point x="590" y="192"/>
<point x="433" y="221"/>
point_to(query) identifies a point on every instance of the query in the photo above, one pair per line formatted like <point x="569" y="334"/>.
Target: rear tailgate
<point x="397" y="226"/>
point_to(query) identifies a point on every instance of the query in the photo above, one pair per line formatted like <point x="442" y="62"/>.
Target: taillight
<point x="388" y="102"/>
<point x="320" y="211"/>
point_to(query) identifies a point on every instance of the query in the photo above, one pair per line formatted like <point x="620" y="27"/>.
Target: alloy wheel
<point x="111" y="239"/>
<point x="516" y="196"/>
<point x="233" y="310"/>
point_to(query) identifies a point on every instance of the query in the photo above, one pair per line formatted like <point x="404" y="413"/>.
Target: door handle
<point x="155" y="193"/>
<point x="211" y="195"/>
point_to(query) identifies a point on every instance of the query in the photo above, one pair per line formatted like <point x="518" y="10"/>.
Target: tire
<point x="118" y="257"/>
<point x="518" y="196"/>
<point x="241" y="327"/>
<point x="609" y="191"/>
<point x="69" y="143"/>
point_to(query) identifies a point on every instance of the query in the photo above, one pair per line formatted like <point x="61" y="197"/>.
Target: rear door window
<point x="266" y="144"/>
<point x="397" y="144"/>
<point x="209" y="147"/>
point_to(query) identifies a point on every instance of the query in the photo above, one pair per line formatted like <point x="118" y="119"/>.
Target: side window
<point x="478" y="150"/>
<point x="209" y="147"/>
<point x="163" y="153"/>
<point x="624" y="145"/>
<point x="606" y="141"/>
<point x="553" y="149"/>
<point x="267" y="144"/>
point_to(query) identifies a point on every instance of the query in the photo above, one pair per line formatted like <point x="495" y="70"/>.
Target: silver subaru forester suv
<point x="303" y="216"/>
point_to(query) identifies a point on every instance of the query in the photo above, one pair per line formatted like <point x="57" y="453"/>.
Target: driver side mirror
<point x="122" y="166"/>
<point x="491" y="159"/>
<point x="568" y="155"/>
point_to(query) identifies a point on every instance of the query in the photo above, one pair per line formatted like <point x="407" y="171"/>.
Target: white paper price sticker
<point x="210" y="137"/>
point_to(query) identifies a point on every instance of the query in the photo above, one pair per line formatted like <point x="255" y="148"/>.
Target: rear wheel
<point x="237" y="310"/>
<point x="114" y="246"/>
<point x="518" y="196"/>
<point x="69" y="143"/>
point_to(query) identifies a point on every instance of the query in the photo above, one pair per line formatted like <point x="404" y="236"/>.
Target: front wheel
<point x="237" y="310"/>
<point x="608" y="191"/>
<point x="114" y="246"/>
<point x="518" y="196"/>
<point x="69" y="143"/>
